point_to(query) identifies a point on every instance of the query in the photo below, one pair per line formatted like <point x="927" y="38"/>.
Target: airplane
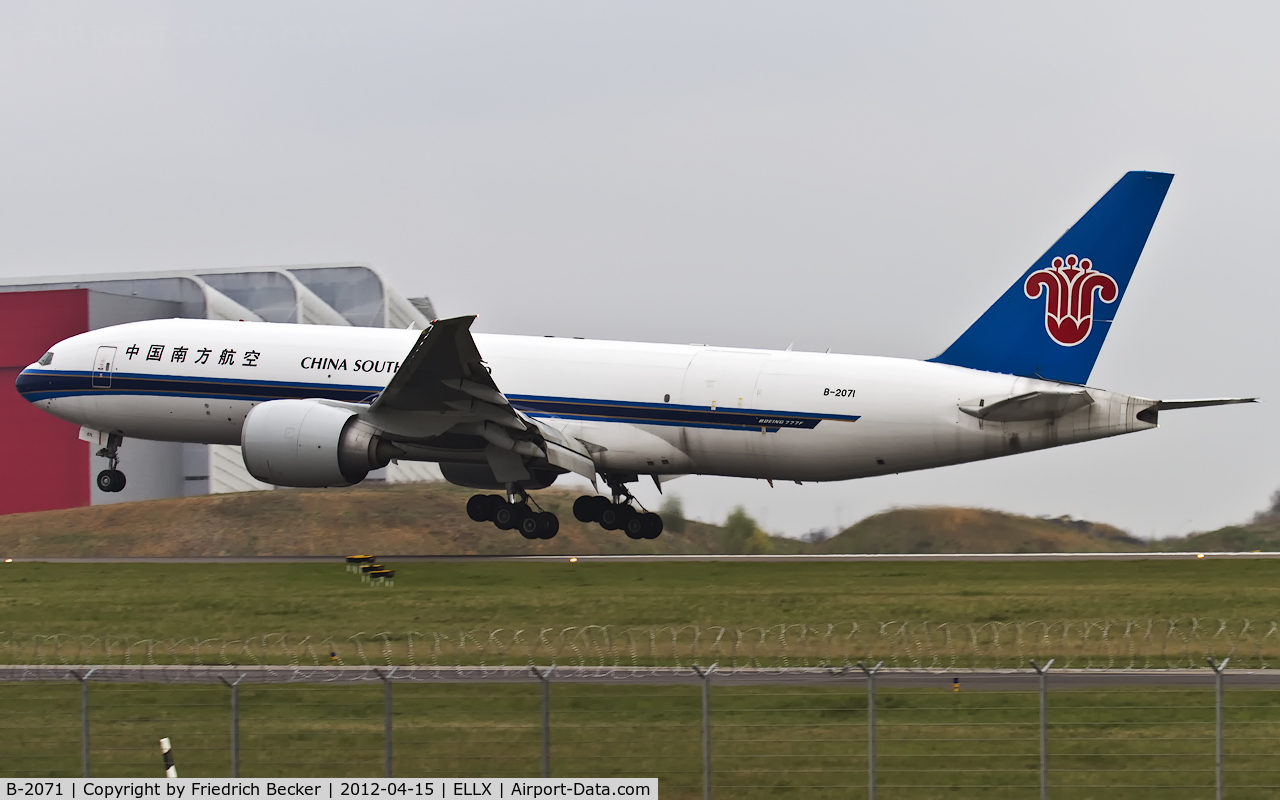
<point x="324" y="406"/>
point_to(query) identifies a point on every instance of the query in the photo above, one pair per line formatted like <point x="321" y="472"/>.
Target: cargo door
<point x="722" y="380"/>
<point x="718" y="400"/>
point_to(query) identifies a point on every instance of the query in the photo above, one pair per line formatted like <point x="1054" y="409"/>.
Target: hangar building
<point x="50" y="467"/>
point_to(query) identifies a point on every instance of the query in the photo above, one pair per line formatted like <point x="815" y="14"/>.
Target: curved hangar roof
<point x="314" y="294"/>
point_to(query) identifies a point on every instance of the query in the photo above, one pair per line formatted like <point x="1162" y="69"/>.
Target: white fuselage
<point x="655" y="409"/>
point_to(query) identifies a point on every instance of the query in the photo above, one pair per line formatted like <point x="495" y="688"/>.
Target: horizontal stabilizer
<point x="1030" y="406"/>
<point x="1152" y="414"/>
<point x="1173" y="405"/>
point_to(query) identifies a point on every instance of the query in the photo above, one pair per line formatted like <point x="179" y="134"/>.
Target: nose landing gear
<point x="111" y="479"/>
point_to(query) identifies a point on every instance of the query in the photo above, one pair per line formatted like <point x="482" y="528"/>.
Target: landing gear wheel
<point x="652" y="526"/>
<point x="111" y="480"/>
<point x="548" y="524"/>
<point x="508" y="515"/>
<point x="635" y="526"/>
<point x="481" y="506"/>
<point x="615" y="515"/>
<point x="588" y="507"/>
<point x="530" y="525"/>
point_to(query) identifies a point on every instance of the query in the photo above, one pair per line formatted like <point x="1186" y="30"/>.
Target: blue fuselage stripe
<point x="669" y="414"/>
<point x="44" y="385"/>
<point x="47" y="384"/>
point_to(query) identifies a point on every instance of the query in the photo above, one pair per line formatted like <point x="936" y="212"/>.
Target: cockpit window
<point x="46" y="359"/>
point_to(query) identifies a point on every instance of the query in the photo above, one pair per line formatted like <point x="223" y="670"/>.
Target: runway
<point x="840" y="557"/>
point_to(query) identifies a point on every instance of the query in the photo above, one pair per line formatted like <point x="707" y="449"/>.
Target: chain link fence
<point x="1086" y="644"/>
<point x="703" y="732"/>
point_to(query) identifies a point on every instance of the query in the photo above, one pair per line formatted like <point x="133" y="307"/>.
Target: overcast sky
<point x="864" y="177"/>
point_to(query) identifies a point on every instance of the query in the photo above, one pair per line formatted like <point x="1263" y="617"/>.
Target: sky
<point x="865" y="177"/>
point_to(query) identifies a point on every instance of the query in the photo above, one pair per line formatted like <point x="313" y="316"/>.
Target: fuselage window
<point x="46" y="359"/>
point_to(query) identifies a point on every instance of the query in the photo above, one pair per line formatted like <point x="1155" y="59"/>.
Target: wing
<point x="444" y="384"/>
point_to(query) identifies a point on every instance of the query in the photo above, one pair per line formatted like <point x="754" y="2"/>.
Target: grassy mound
<point x="972" y="530"/>
<point x="417" y="519"/>
<point x="1261" y="534"/>
<point x="403" y="519"/>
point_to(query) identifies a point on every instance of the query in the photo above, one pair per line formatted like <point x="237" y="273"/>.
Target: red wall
<point x="45" y="465"/>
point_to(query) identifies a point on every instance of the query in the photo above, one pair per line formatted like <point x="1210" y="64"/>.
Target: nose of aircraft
<point x="35" y="382"/>
<point x="30" y="382"/>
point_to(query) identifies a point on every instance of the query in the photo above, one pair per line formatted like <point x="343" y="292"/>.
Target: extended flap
<point x="564" y="458"/>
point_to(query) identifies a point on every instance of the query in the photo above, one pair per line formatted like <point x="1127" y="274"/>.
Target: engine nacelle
<point x="307" y="443"/>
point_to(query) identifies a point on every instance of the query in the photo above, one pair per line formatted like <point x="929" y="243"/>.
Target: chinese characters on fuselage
<point x="178" y="355"/>
<point x="229" y="357"/>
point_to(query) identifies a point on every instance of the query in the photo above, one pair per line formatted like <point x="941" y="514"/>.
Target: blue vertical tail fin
<point x="1052" y="322"/>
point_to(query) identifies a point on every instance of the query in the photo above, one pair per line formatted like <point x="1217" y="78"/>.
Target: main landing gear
<point x="111" y="479"/>
<point x="618" y="516"/>
<point x="513" y="514"/>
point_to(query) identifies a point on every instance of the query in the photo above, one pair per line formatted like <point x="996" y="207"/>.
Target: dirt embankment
<point x="431" y="519"/>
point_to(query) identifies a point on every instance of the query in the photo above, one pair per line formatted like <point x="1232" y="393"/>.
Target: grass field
<point x="766" y="741"/>
<point x="252" y="599"/>
<point x="222" y="603"/>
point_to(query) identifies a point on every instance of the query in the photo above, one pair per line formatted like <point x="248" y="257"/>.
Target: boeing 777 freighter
<point x="323" y="406"/>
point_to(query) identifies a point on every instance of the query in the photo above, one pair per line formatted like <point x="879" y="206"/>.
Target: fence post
<point x="386" y="714"/>
<point x="545" y="679"/>
<point x="1217" y="723"/>
<point x="170" y="765"/>
<point x="871" y="727"/>
<point x="235" y="724"/>
<point x="1044" y="726"/>
<point x="84" y="718"/>
<point x="706" y="727"/>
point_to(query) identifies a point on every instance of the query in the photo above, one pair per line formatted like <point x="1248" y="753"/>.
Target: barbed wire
<point x="1075" y="644"/>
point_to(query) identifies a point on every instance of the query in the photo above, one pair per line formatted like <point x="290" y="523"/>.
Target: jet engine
<point x="309" y="443"/>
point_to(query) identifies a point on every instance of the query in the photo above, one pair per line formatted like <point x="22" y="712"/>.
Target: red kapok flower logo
<point x="1069" y="286"/>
